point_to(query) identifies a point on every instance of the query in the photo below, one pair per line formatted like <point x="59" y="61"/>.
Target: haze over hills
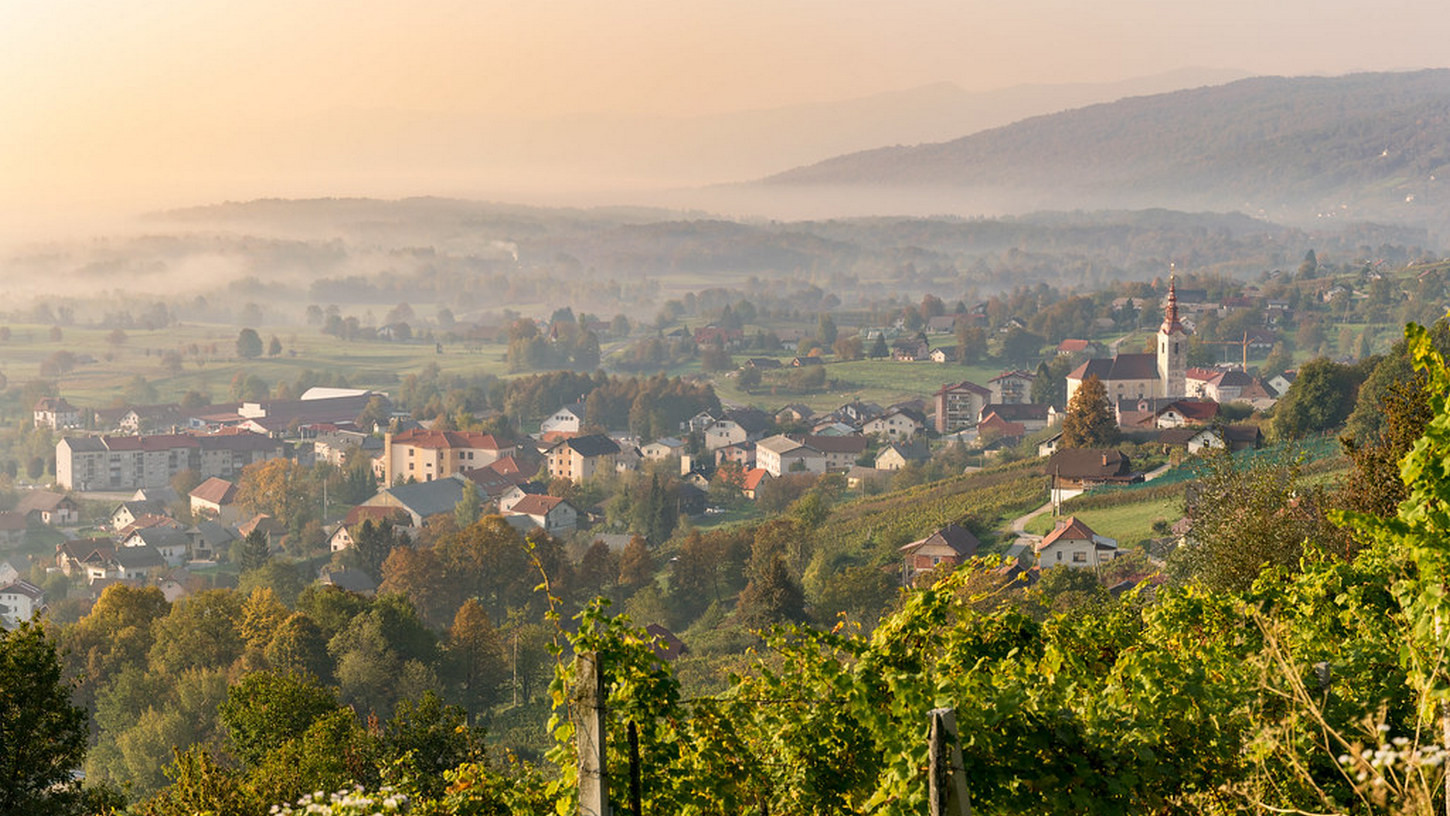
<point x="1363" y="146"/>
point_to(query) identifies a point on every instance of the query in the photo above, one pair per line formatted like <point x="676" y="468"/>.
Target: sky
<point x="110" y="107"/>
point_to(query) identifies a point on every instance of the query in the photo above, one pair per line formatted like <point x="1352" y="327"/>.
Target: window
<point x="1079" y="558"/>
<point x="1059" y="555"/>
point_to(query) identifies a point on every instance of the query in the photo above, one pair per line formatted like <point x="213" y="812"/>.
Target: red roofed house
<point x="754" y="478"/>
<point x="215" y="499"/>
<point x="422" y="455"/>
<point x="1074" y="544"/>
<point x="951" y="545"/>
<point x="549" y="512"/>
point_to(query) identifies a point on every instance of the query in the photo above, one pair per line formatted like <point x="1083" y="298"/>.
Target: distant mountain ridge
<point x="1358" y="146"/>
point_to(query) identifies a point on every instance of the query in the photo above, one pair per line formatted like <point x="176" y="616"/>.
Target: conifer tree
<point x="1089" y="422"/>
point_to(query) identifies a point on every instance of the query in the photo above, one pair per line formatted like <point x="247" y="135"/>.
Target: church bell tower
<point x="1172" y="348"/>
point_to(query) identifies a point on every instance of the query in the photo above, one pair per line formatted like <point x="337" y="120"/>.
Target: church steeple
<point x="1172" y="348"/>
<point x="1170" y="313"/>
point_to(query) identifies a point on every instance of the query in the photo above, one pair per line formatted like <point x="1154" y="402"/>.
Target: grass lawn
<point x="1128" y="523"/>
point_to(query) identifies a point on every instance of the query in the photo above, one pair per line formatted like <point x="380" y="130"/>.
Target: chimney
<point x="1105" y="458"/>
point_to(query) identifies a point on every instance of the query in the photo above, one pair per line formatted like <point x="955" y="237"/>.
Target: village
<point x="183" y="485"/>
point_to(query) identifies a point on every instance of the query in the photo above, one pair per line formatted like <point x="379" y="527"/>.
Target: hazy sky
<point x="117" y="106"/>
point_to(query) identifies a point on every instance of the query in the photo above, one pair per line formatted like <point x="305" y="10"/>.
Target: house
<point x="742" y="454"/>
<point x="754" y="478"/>
<point x="662" y="449"/>
<point x="666" y="645"/>
<point x="126" y="513"/>
<point x="1074" y="470"/>
<point x="1280" y="382"/>
<point x="515" y="494"/>
<point x="348" y="580"/>
<point x="421" y="500"/>
<point x="1074" y="544"/>
<point x="950" y="546"/>
<point x="1011" y="387"/>
<point x="1243" y="437"/>
<point x="897" y="455"/>
<point x="171" y="544"/>
<point x="793" y="413"/>
<point x="780" y="454"/>
<point x="1032" y="416"/>
<point x="423" y="455"/>
<point x="138" y="563"/>
<point x="858" y="413"/>
<point x="763" y="363"/>
<point x="1158" y="374"/>
<point x="959" y="405"/>
<point x="1193" y="440"/>
<point x="723" y="433"/>
<point x="910" y="349"/>
<point x="273" y="529"/>
<point x="554" y="515"/>
<point x="1049" y="446"/>
<point x="806" y="362"/>
<point x="49" y="508"/>
<point x="567" y="420"/>
<point x="698" y="423"/>
<point x="943" y="354"/>
<point x="208" y="539"/>
<point x="840" y="452"/>
<point x="56" y="414"/>
<point x="995" y="432"/>
<point x="19" y="601"/>
<point x="345" y="536"/>
<point x="581" y="458"/>
<point x="215" y="499"/>
<point x="896" y="423"/>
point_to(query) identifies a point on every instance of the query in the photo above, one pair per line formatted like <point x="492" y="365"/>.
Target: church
<point x="1136" y="376"/>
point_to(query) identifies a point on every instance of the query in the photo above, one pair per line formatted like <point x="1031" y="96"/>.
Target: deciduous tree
<point x="1090" y="421"/>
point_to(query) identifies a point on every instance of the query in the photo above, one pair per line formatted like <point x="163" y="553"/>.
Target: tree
<point x="772" y="596"/>
<point x="297" y="647"/>
<point x="469" y="506"/>
<point x="265" y="710"/>
<point x="43" y="736"/>
<point x="1321" y="398"/>
<point x="278" y="488"/>
<point x="879" y="348"/>
<point x="826" y="331"/>
<point x="636" y="566"/>
<point x="254" y="551"/>
<point x="249" y="344"/>
<point x="477" y="657"/>
<point x="1089" y="422"/>
<point x="274" y="347"/>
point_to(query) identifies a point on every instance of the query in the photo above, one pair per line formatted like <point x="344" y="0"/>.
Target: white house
<point x="1074" y="544"/>
<point x="18" y="601"/>
<point x="780" y="454"/>
<point x="569" y="419"/>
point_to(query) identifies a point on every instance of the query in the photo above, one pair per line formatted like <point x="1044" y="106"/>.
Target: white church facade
<point x="1161" y="373"/>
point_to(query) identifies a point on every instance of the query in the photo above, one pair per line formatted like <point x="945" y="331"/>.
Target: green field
<point x="880" y="381"/>
<point x="371" y="364"/>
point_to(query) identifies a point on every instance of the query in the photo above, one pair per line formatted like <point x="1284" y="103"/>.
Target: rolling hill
<point x="1363" y="146"/>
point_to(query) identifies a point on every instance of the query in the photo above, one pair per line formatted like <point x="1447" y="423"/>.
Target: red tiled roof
<point x="754" y="477"/>
<point x="216" y="491"/>
<point x="421" y="438"/>
<point x="1074" y="529"/>
<point x="536" y="505"/>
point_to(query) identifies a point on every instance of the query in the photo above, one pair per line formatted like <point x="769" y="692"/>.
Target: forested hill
<point x="1365" y="145"/>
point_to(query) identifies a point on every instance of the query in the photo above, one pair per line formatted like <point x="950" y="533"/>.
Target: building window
<point x="1079" y="558"/>
<point x="1059" y="555"/>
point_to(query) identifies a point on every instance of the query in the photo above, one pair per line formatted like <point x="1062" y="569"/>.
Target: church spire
<point x="1170" y="313"/>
